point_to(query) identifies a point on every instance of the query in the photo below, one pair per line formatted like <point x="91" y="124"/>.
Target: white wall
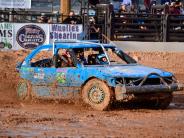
<point x="151" y="46"/>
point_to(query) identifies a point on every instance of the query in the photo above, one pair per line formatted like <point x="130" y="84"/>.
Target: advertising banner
<point x="17" y="36"/>
<point x="6" y="35"/>
<point x="21" y="4"/>
<point x="29" y="36"/>
<point x="65" y="32"/>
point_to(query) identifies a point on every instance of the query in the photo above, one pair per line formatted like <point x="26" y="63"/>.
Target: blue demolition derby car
<point x="99" y="74"/>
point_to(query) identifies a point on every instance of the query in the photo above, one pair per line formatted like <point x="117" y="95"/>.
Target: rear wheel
<point x="97" y="94"/>
<point x="24" y="90"/>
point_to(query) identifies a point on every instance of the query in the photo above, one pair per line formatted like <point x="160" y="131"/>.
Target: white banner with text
<point x="6" y="35"/>
<point x="65" y="32"/>
<point x="31" y="35"/>
<point x="20" y="4"/>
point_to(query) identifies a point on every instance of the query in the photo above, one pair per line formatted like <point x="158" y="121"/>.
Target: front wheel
<point x="23" y="90"/>
<point x="164" y="102"/>
<point x="97" y="94"/>
<point x="154" y="101"/>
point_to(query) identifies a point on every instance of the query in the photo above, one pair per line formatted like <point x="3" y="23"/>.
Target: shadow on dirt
<point x="177" y="103"/>
<point x="134" y="105"/>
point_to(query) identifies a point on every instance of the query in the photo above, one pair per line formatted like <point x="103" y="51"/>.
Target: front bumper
<point x="154" y="88"/>
<point x="122" y="91"/>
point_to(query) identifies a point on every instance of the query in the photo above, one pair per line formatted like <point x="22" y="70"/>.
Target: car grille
<point x="148" y="81"/>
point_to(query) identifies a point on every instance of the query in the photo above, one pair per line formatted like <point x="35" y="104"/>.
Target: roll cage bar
<point x="96" y="42"/>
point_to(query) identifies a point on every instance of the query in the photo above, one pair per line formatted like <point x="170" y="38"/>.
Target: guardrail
<point x="26" y="17"/>
<point x="175" y="28"/>
<point x="148" y="27"/>
<point x="137" y="27"/>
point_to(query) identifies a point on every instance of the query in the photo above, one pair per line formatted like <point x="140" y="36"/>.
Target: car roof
<point x="81" y="45"/>
<point x="75" y="45"/>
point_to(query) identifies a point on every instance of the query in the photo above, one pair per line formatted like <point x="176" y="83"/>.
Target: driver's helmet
<point x="79" y="51"/>
<point x="102" y="59"/>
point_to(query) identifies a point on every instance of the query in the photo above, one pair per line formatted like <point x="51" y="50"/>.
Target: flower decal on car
<point x="61" y="78"/>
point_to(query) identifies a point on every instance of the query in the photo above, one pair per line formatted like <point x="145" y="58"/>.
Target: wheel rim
<point x="1" y="45"/>
<point x="96" y="95"/>
<point x="22" y="89"/>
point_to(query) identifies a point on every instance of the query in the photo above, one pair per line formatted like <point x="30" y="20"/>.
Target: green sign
<point x="6" y="35"/>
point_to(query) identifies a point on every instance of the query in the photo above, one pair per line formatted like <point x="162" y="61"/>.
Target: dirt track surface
<point x="52" y="119"/>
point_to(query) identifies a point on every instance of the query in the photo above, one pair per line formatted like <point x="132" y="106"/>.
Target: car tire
<point x="154" y="101"/>
<point x="23" y="90"/>
<point x="97" y="94"/>
<point x="163" y="103"/>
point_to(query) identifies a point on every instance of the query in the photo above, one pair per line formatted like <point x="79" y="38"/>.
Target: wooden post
<point x="65" y="7"/>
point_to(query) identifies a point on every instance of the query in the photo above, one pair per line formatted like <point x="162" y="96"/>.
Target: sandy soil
<point x="53" y="119"/>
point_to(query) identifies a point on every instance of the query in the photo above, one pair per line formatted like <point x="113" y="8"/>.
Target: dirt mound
<point x="9" y="76"/>
<point x="168" y="61"/>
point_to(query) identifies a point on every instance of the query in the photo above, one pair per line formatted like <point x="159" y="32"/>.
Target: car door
<point x="43" y="73"/>
<point x="67" y="76"/>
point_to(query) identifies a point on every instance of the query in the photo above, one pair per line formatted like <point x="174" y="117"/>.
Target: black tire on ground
<point x="97" y="94"/>
<point x="154" y="101"/>
<point x="23" y="90"/>
<point x="163" y="103"/>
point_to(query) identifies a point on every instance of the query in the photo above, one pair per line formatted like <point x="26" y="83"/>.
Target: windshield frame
<point x="122" y="55"/>
<point x="125" y="57"/>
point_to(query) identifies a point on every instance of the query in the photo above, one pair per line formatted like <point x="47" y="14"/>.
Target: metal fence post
<point x="165" y="28"/>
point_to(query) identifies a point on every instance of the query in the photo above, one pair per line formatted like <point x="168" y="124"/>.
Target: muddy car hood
<point x="133" y="71"/>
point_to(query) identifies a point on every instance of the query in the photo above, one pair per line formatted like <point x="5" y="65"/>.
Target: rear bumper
<point x="122" y="91"/>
